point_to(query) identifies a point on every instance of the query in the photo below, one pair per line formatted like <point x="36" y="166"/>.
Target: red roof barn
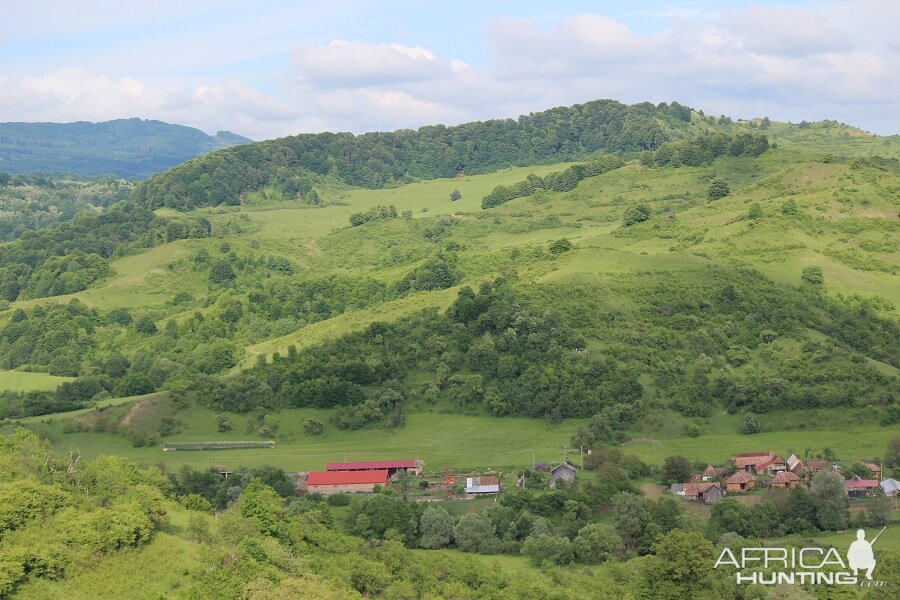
<point x="392" y="466"/>
<point x="331" y="482"/>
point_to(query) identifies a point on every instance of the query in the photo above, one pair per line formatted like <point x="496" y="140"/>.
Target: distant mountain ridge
<point x="130" y="148"/>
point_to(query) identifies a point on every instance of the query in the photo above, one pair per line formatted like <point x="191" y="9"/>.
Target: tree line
<point x="375" y="160"/>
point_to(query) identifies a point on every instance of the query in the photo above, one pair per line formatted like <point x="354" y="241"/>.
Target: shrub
<point x="313" y="426"/>
<point x="750" y="425"/>
<point x="635" y="214"/>
<point x="560" y="246"/>
<point x="813" y="275"/>
<point x="718" y="188"/>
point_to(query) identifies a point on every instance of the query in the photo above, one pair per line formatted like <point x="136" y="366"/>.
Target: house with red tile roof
<point x="785" y="480"/>
<point x="860" y="488"/>
<point x="741" y="482"/>
<point x="711" y="473"/>
<point x="710" y="492"/>
<point x="761" y="463"/>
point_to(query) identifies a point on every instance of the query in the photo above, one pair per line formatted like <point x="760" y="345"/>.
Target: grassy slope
<point x="842" y="207"/>
<point x="21" y="381"/>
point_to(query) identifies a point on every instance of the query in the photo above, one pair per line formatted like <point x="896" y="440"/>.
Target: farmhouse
<point x="564" y="472"/>
<point x="391" y="466"/>
<point x="860" y="488"/>
<point x="785" y="480"/>
<point x="482" y="485"/>
<point x="712" y="473"/>
<point x="759" y="462"/>
<point x="740" y="482"/>
<point x="332" y="482"/>
<point x="876" y="470"/>
<point x="816" y="466"/>
<point x="710" y="493"/>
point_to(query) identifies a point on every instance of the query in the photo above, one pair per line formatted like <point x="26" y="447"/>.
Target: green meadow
<point x="24" y="381"/>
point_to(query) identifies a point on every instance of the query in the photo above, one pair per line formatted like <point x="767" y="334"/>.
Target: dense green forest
<point x="31" y="202"/>
<point x="70" y="256"/>
<point x="129" y="148"/>
<point x="374" y="160"/>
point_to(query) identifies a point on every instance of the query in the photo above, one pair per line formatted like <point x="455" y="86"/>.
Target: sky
<point x="271" y="68"/>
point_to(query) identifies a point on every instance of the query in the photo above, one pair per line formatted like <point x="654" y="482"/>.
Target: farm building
<point x="891" y="488"/>
<point x="331" y="482"/>
<point x="860" y="488"/>
<point x="564" y="472"/>
<point x="816" y="466"/>
<point x="712" y="473"/>
<point x="876" y="470"/>
<point x="794" y="464"/>
<point x="760" y="462"/>
<point x="785" y="480"/>
<point x="391" y="466"/>
<point x="677" y="489"/>
<point x="482" y="485"/>
<point x="710" y="493"/>
<point x="741" y="482"/>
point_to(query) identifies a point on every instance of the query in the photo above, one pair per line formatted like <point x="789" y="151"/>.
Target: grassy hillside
<point x="129" y="148"/>
<point x="696" y="300"/>
<point x="818" y="200"/>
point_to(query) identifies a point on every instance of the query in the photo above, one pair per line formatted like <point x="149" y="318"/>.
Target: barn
<point x="332" y="482"/>
<point x="391" y="466"/>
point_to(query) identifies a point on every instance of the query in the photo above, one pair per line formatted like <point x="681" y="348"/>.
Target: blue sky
<point x="271" y="67"/>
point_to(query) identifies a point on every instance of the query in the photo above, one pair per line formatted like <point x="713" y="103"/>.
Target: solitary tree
<point x="831" y="501"/>
<point x="473" y="530"/>
<point x="455" y="195"/>
<point x="718" y="188"/>
<point x="676" y="469"/>
<point x="635" y="214"/>
<point x="436" y="527"/>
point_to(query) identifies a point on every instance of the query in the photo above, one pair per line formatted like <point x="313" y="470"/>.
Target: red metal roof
<point x="346" y="477"/>
<point x="381" y="464"/>
<point x="860" y="484"/>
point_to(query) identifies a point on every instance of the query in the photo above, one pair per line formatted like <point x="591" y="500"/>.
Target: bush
<point x="455" y="195"/>
<point x="750" y="425"/>
<point x="560" y="246"/>
<point x="718" y="188"/>
<point x="635" y="214"/>
<point x="339" y="499"/>
<point x="813" y="275"/>
<point x="550" y="548"/>
<point x="313" y="426"/>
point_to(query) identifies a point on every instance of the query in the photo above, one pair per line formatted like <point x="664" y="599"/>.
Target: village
<point x="373" y="476"/>
<point x="760" y="470"/>
<point x="745" y="475"/>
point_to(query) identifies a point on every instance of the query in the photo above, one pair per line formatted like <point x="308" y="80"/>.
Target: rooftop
<point x="346" y="477"/>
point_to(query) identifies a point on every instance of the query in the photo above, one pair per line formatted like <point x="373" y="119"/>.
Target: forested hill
<point x="130" y="148"/>
<point x="373" y="160"/>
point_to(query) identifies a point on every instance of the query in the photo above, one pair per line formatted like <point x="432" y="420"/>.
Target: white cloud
<point x="358" y="64"/>
<point x="788" y="63"/>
